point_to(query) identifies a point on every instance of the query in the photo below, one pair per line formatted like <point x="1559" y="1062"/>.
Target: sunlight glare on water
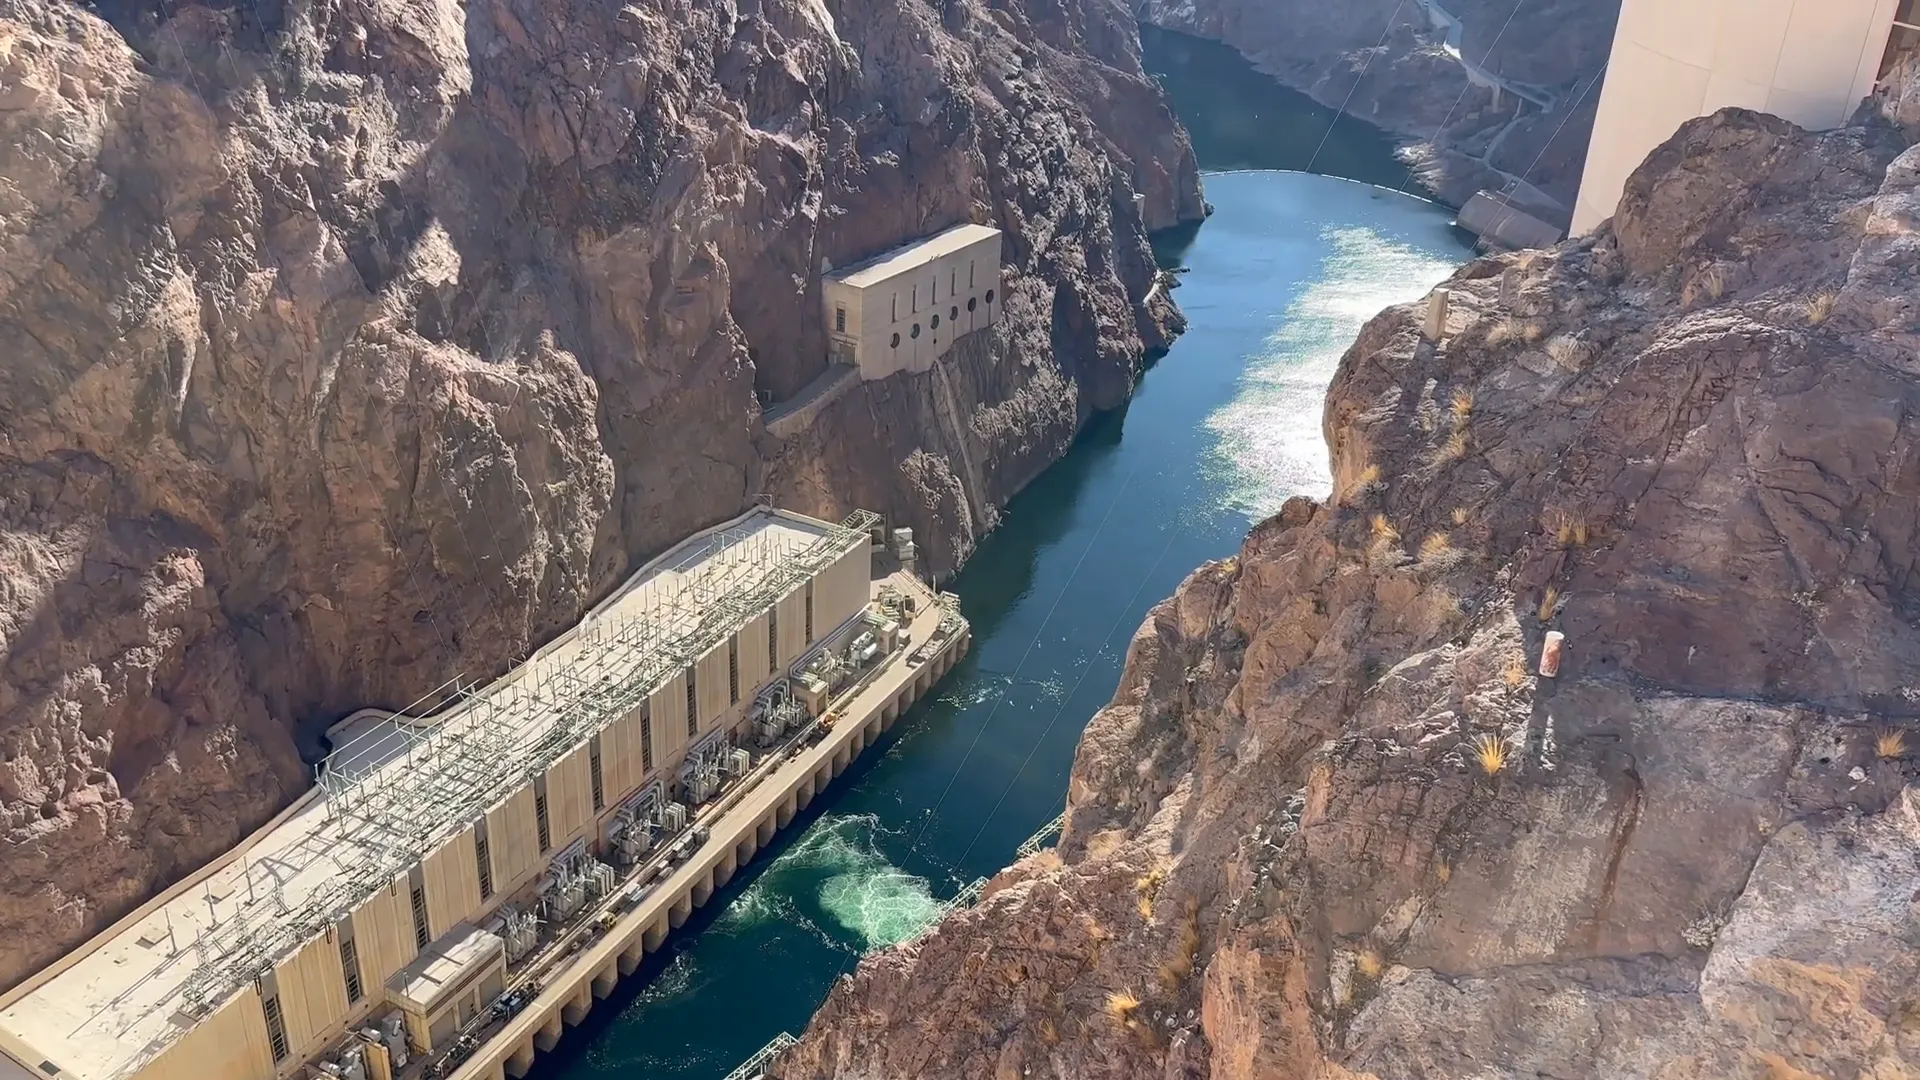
<point x="1270" y="440"/>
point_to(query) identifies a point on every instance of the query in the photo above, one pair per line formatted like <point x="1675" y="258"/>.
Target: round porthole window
<point x="972" y="302"/>
<point x="896" y="341"/>
<point x="936" y="322"/>
<point x="953" y="313"/>
<point x="989" y="296"/>
<point x="915" y="332"/>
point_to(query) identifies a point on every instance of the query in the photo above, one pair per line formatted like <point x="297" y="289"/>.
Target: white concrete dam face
<point x="1808" y="61"/>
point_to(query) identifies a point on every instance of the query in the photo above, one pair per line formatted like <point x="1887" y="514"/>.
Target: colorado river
<point x="1222" y="430"/>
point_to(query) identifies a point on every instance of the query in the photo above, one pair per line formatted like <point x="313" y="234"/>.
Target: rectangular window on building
<point x="350" y="967"/>
<point x="276" y="1027"/>
<point x="970" y="282"/>
<point x="896" y="307"/>
<point x="953" y="283"/>
<point x="646" y="736"/>
<point x="916" y="298"/>
<point x="936" y="289"/>
<point x="593" y="766"/>
<point x="483" y="860"/>
<point x="693" y="705"/>
<point x="420" y="935"/>
<point x="733" y="670"/>
<point x="809" y="612"/>
<point x="540" y="821"/>
<point x="840" y="319"/>
<point x="773" y="636"/>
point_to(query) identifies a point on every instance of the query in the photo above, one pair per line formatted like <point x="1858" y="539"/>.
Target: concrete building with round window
<point x="904" y="309"/>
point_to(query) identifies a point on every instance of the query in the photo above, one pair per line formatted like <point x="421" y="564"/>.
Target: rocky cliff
<point x="1336" y="824"/>
<point x="351" y="346"/>
<point x="1386" y="61"/>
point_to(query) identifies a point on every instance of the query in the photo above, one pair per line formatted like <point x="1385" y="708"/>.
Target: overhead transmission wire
<point x="1173" y="533"/>
<point x="1098" y="531"/>
<point x="1484" y="56"/>
<point x="1357" y="80"/>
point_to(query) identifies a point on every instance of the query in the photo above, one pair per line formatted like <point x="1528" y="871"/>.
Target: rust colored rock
<point x="1550" y="653"/>
<point x="350" y="353"/>
<point x="1272" y="841"/>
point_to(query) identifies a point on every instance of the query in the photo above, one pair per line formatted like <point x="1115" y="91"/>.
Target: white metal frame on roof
<point x="451" y="771"/>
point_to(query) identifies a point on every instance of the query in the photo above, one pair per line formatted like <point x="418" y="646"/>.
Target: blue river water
<point x="1223" y="429"/>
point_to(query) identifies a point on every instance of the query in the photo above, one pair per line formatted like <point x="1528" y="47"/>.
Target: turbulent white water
<point x="1270" y="443"/>
<point x="837" y="865"/>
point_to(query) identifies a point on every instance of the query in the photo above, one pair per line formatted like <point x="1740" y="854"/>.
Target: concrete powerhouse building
<point x="902" y="310"/>
<point x="397" y="890"/>
<point x="1809" y="61"/>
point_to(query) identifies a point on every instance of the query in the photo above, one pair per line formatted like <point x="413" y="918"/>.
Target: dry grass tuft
<point x="1148" y="887"/>
<point x="1363" y="485"/>
<point x="1047" y="860"/>
<point x="1710" y="283"/>
<point x="1444" y="872"/>
<point x="1514" y="674"/>
<point x="1461" y="515"/>
<point x="1438" y="554"/>
<point x="1567" y="352"/>
<point x="1049" y="1032"/>
<point x="1121" y="1004"/>
<point x="1569" y="528"/>
<point x="1383" y="530"/>
<point x="1819" y="306"/>
<point x="1186" y="950"/>
<point x="1455" y="447"/>
<point x="1491" y="752"/>
<point x="1550" y="603"/>
<point x="1462" y="407"/>
<point x="1890" y="744"/>
<point x="1369" y="963"/>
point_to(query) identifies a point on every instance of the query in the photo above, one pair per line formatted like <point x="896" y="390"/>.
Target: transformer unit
<point x="738" y="762"/>
<point x="520" y="930"/>
<point x="393" y="1034"/>
<point x="599" y="879"/>
<point x="673" y="818"/>
<point x="563" y="892"/>
<point x="864" y="649"/>
<point x="700" y="787"/>
<point x="812" y="692"/>
<point x="632" y="841"/>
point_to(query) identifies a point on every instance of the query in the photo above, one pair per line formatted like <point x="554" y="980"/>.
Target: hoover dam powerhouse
<point x="458" y="887"/>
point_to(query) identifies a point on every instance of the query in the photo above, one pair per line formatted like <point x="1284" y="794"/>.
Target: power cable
<point x="1484" y="56"/>
<point x="1173" y="533"/>
<point x="1357" y="80"/>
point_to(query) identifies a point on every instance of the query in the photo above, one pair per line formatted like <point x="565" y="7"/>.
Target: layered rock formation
<point x="1386" y="62"/>
<point x="1335" y="824"/>
<point x="354" y="346"/>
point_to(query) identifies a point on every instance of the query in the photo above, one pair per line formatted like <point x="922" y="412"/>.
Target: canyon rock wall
<point x="352" y="346"/>
<point x="1335" y="824"/>
<point x="1384" y="62"/>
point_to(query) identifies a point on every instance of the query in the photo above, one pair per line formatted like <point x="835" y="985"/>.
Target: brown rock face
<point x="1383" y="62"/>
<point x="352" y="346"/>
<point x="1334" y="825"/>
